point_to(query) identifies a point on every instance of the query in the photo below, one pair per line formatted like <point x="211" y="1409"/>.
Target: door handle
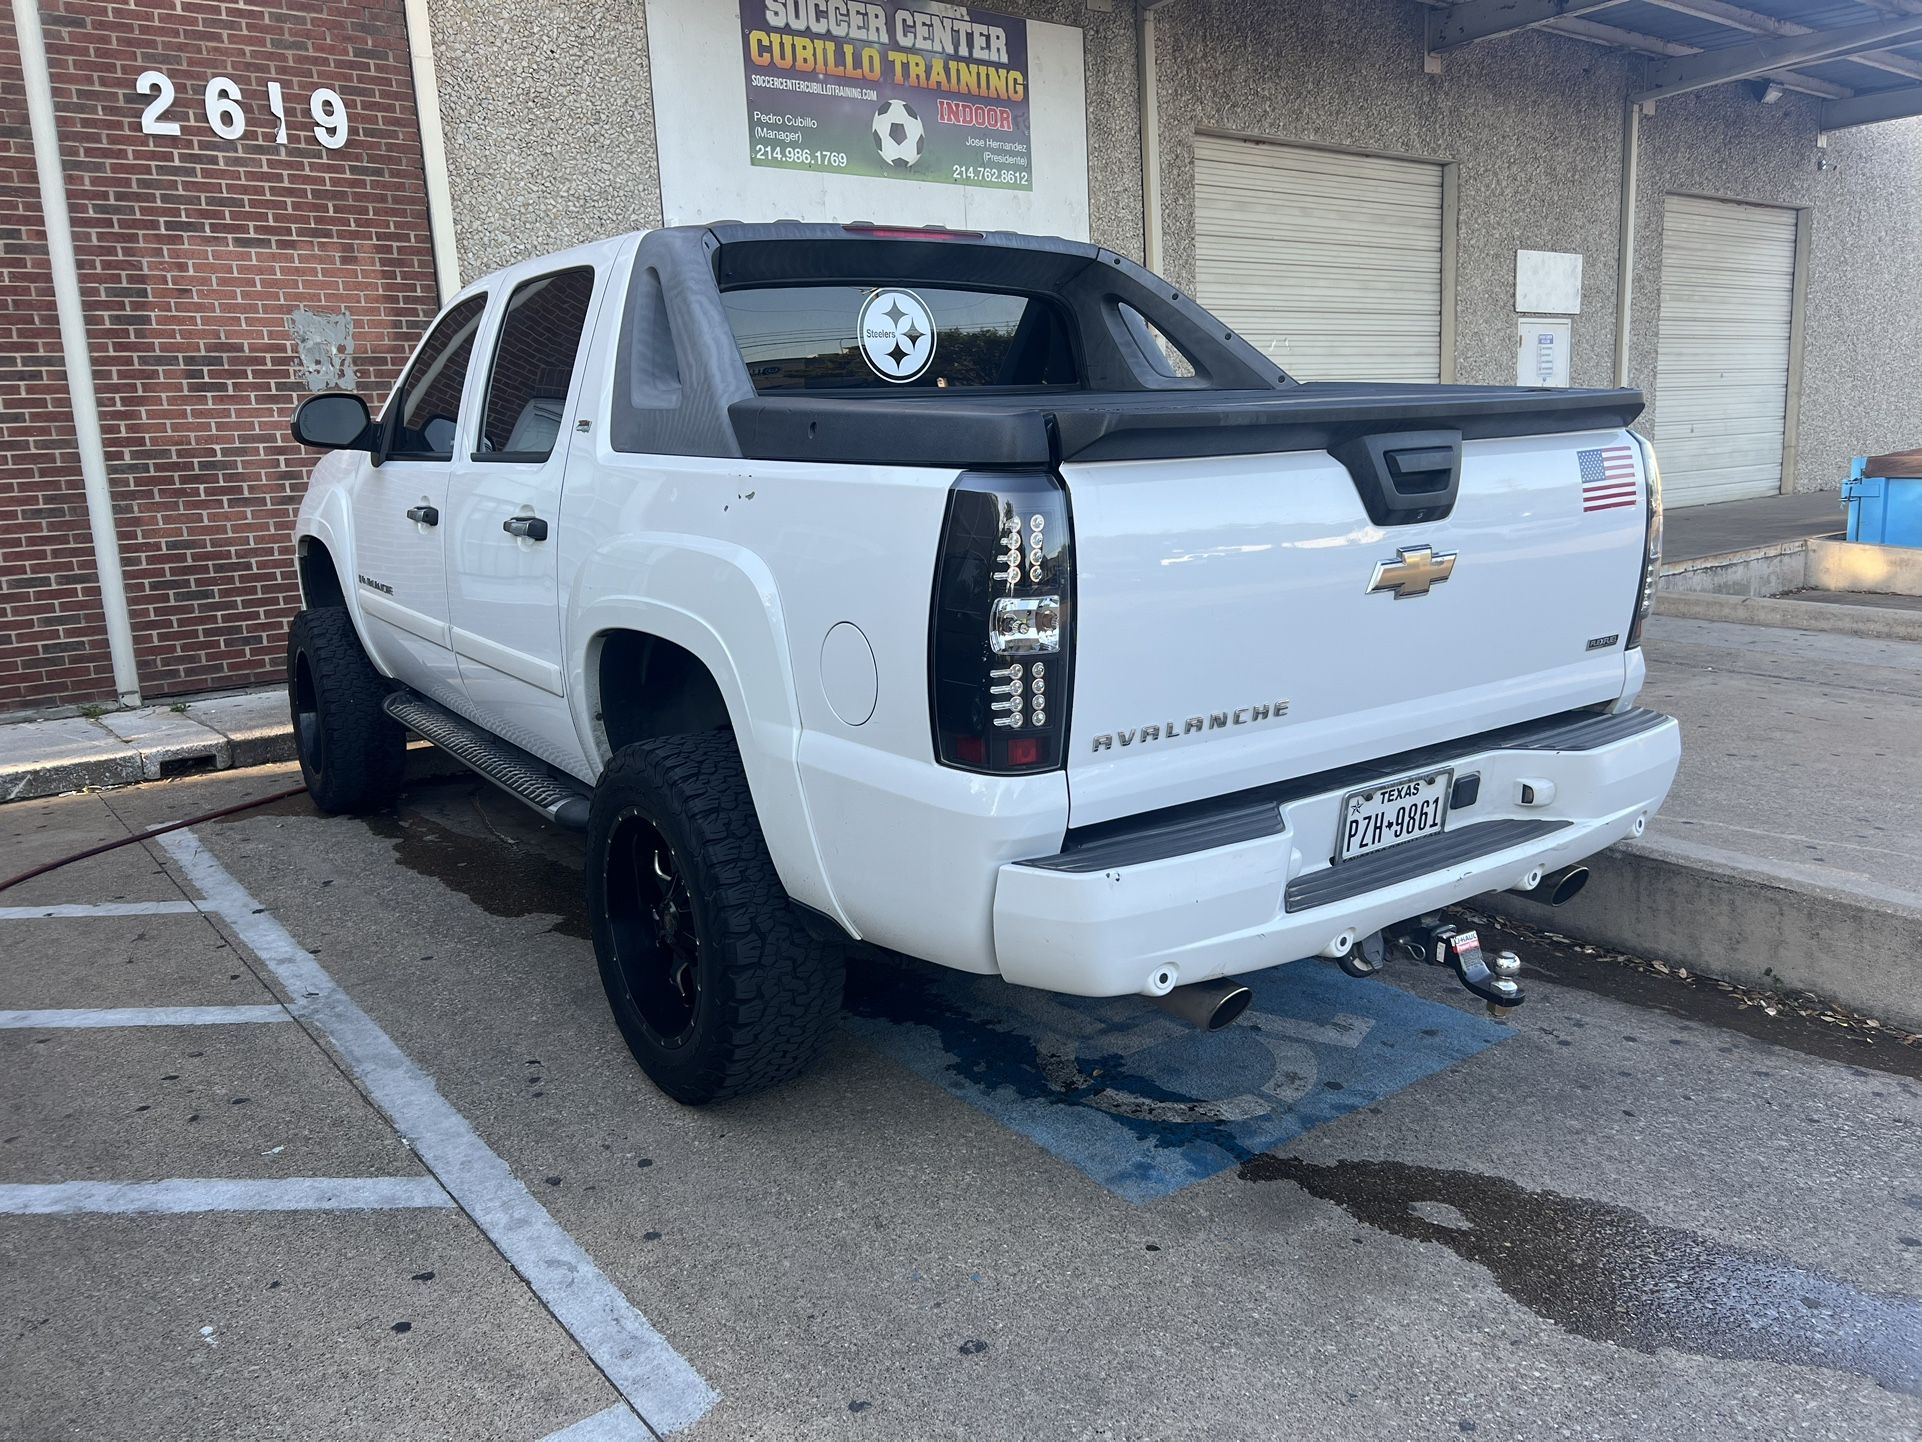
<point x="425" y="515"/>
<point x="533" y="528"/>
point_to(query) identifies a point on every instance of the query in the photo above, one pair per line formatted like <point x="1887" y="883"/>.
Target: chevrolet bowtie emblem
<point x="1412" y="572"/>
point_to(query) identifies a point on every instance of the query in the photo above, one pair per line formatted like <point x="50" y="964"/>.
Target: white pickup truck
<point x="982" y="598"/>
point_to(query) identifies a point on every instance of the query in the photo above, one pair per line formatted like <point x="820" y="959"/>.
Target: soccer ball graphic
<point x="898" y="133"/>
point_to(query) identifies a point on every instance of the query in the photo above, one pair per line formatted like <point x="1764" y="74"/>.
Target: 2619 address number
<point x="226" y="117"/>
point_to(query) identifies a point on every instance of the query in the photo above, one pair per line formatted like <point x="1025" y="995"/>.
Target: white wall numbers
<point x="153" y="83"/>
<point x="224" y="114"/>
<point x="224" y="102"/>
<point x="330" y="118"/>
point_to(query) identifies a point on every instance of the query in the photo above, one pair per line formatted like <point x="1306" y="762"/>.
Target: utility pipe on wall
<point x="1625" y="247"/>
<point x="73" y="347"/>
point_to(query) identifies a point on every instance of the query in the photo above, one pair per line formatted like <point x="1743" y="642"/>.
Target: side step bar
<point x="524" y="777"/>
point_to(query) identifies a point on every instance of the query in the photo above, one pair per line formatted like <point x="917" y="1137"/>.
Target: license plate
<point x="1393" y="812"/>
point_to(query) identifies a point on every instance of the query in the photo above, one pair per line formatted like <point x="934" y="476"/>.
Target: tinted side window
<point x="533" y="362"/>
<point x="429" y="398"/>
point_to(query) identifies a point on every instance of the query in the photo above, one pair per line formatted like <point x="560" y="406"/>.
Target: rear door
<point x="504" y="509"/>
<point x="1328" y="262"/>
<point x="1723" y="349"/>
<point x="400" y="576"/>
<point x="1237" y="620"/>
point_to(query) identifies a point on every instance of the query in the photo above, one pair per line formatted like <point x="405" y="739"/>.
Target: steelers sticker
<point x="897" y="335"/>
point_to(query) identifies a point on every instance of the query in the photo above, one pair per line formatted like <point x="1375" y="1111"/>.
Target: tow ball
<point x="1429" y="939"/>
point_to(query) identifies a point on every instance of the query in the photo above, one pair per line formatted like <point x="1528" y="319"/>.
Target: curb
<point x="119" y="748"/>
<point x="1855" y="566"/>
<point x="1864" y="621"/>
<point x="1766" y="570"/>
<point x="1763" y="924"/>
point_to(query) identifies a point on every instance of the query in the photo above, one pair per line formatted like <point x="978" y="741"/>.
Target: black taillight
<point x="1001" y="637"/>
<point x="1651" y="543"/>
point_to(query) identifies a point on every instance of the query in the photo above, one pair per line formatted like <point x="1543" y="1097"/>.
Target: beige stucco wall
<point x="550" y="137"/>
<point x="549" y="120"/>
<point x="1861" y="202"/>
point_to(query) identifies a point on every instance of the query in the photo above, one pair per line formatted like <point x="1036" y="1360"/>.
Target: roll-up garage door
<point x="1722" y="354"/>
<point x="1329" y="263"/>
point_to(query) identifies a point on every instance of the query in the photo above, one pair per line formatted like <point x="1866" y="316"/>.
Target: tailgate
<point x="1210" y="591"/>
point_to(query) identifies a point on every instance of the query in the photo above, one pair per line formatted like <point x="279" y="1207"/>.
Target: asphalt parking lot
<point x="319" y="1128"/>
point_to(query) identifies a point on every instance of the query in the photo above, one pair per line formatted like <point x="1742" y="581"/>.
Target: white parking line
<point x="222" y="1194"/>
<point x="101" y="908"/>
<point x="143" y="1016"/>
<point x="641" y="1363"/>
<point x="614" y="1424"/>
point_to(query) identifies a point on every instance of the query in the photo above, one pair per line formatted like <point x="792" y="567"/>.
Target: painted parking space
<point x="1143" y="1103"/>
<point x="81" y="1124"/>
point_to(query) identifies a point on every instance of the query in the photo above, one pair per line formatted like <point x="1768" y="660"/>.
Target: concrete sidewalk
<point x="117" y="748"/>
<point x="1789" y="854"/>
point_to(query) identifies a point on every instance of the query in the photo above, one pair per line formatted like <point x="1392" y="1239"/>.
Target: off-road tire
<point x="768" y="991"/>
<point x="352" y="753"/>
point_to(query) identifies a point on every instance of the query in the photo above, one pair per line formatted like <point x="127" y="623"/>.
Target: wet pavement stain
<point x="1609" y="1274"/>
<point x="520" y="883"/>
<point x="1139" y="1102"/>
<point x="498" y="875"/>
<point x="1694" y="999"/>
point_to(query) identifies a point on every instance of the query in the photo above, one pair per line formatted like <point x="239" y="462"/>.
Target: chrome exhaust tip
<point x="1564" y="885"/>
<point x="1208" y="1005"/>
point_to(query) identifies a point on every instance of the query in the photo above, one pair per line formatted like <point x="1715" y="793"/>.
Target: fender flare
<point x="326" y="517"/>
<point x="719" y="603"/>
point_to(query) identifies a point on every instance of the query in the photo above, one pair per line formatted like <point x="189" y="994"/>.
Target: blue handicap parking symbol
<point x="1143" y="1103"/>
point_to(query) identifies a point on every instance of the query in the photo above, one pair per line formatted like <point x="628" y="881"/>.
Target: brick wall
<point x="195" y="252"/>
<point x="53" y="637"/>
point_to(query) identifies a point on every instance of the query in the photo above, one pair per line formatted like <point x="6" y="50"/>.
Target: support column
<point x="433" y="149"/>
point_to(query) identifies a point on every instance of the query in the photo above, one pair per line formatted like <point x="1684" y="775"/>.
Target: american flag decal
<point x="1608" y="478"/>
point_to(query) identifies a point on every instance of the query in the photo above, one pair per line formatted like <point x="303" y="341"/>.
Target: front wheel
<point x="352" y="753"/>
<point x="717" y="986"/>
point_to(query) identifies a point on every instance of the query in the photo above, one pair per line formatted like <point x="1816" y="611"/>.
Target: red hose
<point x="43" y="869"/>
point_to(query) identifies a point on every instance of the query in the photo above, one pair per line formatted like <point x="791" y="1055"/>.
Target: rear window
<point x="899" y="337"/>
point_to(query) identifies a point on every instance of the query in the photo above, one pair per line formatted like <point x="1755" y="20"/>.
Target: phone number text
<point x="802" y="155"/>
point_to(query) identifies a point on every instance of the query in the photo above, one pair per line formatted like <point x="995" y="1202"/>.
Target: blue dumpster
<point x="1885" y="510"/>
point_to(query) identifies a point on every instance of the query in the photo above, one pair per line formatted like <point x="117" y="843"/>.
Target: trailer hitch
<point x="1429" y="939"/>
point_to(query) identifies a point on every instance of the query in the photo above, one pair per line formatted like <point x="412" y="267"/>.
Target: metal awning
<point x="1862" y="58"/>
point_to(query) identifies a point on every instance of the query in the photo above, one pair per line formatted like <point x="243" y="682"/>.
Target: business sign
<point x="907" y="91"/>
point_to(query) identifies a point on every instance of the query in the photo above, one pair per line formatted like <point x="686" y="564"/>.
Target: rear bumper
<point x="1246" y="883"/>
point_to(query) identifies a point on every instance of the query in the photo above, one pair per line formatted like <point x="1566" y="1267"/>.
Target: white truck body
<point x="1190" y="829"/>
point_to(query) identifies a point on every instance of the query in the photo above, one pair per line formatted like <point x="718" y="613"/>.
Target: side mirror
<point x="336" y="421"/>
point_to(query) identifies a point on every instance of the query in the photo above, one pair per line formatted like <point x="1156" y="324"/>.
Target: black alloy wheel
<point x="715" y="979"/>
<point x="655" y="936"/>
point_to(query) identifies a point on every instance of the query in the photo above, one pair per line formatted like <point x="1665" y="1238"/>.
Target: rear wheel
<point x="351" y="751"/>
<point x="716" y="984"/>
